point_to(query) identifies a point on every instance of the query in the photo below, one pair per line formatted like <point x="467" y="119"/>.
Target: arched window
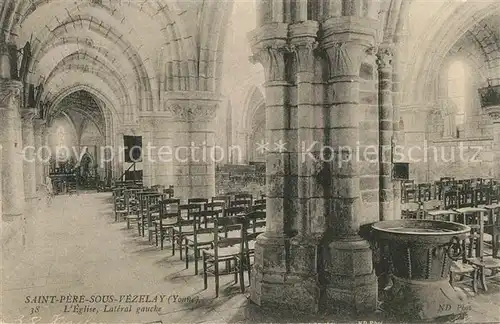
<point x="458" y="86"/>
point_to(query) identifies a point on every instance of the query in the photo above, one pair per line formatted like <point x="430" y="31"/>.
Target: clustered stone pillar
<point x="29" y="155"/>
<point x="316" y="202"/>
<point x="386" y="133"/>
<point x="347" y="274"/>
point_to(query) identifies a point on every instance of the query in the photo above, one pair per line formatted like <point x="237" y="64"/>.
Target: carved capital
<point x="186" y="111"/>
<point x="304" y="55"/>
<point x="10" y="94"/>
<point x="384" y="58"/>
<point x="272" y="58"/>
<point x="345" y="58"/>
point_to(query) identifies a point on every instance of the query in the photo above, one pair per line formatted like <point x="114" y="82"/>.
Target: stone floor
<point x="77" y="249"/>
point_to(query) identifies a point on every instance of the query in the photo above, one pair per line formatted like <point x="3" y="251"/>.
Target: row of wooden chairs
<point x="222" y="229"/>
<point x="411" y="192"/>
<point x="473" y="263"/>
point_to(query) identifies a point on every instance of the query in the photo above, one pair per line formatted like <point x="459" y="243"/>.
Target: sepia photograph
<point x="249" y="161"/>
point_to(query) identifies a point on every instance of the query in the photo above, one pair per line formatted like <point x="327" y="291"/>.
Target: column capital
<point x="303" y="42"/>
<point x="345" y="58"/>
<point x="189" y="107"/>
<point x="271" y="54"/>
<point x="10" y="93"/>
<point x="384" y="58"/>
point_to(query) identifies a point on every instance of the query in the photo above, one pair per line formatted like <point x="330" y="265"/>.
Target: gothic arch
<point x="253" y="101"/>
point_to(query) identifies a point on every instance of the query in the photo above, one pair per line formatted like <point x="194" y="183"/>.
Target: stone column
<point x="494" y="113"/>
<point x="39" y="126"/>
<point x="306" y="128"/>
<point x="278" y="278"/>
<point x="347" y="269"/>
<point x="386" y="132"/>
<point x="193" y="120"/>
<point x="12" y="180"/>
<point x="13" y="224"/>
<point x="29" y="154"/>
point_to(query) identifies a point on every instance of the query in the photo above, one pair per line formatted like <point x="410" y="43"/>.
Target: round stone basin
<point x="419" y="231"/>
<point x="420" y="253"/>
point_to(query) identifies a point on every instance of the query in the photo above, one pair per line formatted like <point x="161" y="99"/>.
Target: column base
<point x="425" y="300"/>
<point x="13" y="235"/>
<point x="273" y="285"/>
<point x="348" y="277"/>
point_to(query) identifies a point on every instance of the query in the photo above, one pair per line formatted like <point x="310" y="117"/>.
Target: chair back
<point x="233" y="211"/>
<point x="256" y="219"/>
<point x="226" y="224"/>
<point x="199" y="201"/>
<point x="226" y="199"/>
<point x="187" y="210"/>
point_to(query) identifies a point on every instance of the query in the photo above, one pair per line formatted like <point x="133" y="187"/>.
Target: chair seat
<point x="134" y="217"/>
<point x="461" y="267"/>
<point x="204" y="238"/>
<point x="225" y="252"/>
<point x="121" y="211"/>
<point x="487" y="262"/>
<point x="184" y="229"/>
<point x="166" y="222"/>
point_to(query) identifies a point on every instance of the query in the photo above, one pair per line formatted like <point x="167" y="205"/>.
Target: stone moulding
<point x="189" y="111"/>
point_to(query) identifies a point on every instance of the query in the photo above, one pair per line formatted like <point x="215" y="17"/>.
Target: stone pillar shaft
<point x="398" y="134"/>
<point x="346" y="272"/>
<point x="12" y="175"/>
<point x="386" y="133"/>
<point x="29" y="155"/>
<point x="39" y="125"/>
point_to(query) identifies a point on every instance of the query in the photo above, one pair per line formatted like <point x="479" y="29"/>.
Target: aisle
<point x="80" y="251"/>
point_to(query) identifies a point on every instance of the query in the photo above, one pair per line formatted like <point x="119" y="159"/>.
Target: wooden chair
<point x="492" y="227"/>
<point x="120" y="203"/>
<point x="142" y="210"/>
<point x="153" y="207"/>
<point x="169" y="193"/>
<point x="169" y="216"/>
<point x="199" y="201"/>
<point x="410" y="210"/>
<point x="475" y="218"/>
<point x="461" y="267"/>
<point x="424" y="192"/>
<point x="234" y="211"/>
<point x="244" y="197"/>
<point x="259" y="202"/>
<point x="185" y="225"/>
<point x="226" y="249"/>
<point x="202" y="238"/>
<point x="213" y="206"/>
<point x="408" y="191"/>
<point x="132" y="206"/>
<point x="226" y="199"/>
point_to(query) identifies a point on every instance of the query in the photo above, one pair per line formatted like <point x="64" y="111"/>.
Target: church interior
<point x="169" y="161"/>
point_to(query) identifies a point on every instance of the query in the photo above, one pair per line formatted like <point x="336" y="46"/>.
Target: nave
<point x="78" y="248"/>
